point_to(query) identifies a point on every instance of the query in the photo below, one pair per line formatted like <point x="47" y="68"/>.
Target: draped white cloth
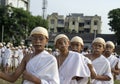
<point x="118" y="76"/>
<point x="102" y="67"/>
<point x="73" y="65"/>
<point x="113" y="61"/>
<point x="44" y="66"/>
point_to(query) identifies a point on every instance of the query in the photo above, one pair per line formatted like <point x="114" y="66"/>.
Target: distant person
<point x="55" y="52"/>
<point x="39" y="67"/>
<point x="7" y="59"/>
<point x="85" y="51"/>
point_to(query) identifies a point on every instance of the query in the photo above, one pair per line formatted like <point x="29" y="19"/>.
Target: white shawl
<point x="113" y="61"/>
<point x="73" y="66"/>
<point x="102" y="67"/>
<point x="44" y="66"/>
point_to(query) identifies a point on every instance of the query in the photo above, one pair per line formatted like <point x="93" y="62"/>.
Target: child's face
<point x="98" y="48"/>
<point x="62" y="44"/>
<point x="39" y="41"/>
<point x="76" y="46"/>
<point x="109" y="49"/>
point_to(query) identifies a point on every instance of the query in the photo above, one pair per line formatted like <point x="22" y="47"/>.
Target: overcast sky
<point x="87" y="7"/>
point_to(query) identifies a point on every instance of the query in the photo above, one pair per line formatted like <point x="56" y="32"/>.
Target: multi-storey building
<point x="55" y="22"/>
<point x="25" y="4"/>
<point x="77" y="23"/>
<point x="83" y="24"/>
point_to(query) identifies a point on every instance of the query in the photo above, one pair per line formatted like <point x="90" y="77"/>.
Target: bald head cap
<point x="77" y="39"/>
<point x="99" y="40"/>
<point x="39" y="30"/>
<point x="60" y="36"/>
<point x="110" y="43"/>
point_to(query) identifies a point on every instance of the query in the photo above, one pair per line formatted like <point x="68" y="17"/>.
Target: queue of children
<point x="68" y="64"/>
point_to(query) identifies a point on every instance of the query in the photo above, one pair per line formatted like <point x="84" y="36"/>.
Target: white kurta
<point x="43" y="66"/>
<point x="102" y="67"/>
<point x="73" y="66"/>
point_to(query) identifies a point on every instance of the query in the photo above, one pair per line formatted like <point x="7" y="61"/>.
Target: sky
<point x="87" y="7"/>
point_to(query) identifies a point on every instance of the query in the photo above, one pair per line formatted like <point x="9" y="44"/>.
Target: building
<point x="55" y="22"/>
<point x="75" y="22"/>
<point x="83" y="24"/>
<point x="25" y="4"/>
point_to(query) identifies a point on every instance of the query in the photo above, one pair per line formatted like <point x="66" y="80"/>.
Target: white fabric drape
<point x="43" y="66"/>
<point x="102" y="67"/>
<point x="73" y="66"/>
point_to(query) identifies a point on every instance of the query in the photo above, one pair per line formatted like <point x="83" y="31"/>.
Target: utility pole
<point x="95" y="31"/>
<point x="44" y="8"/>
<point x="2" y="32"/>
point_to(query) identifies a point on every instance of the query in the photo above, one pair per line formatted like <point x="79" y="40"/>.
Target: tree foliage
<point x="114" y="16"/>
<point x="18" y="23"/>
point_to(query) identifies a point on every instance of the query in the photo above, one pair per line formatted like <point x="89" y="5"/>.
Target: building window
<point x="81" y="32"/>
<point x="73" y="31"/>
<point x="88" y="22"/>
<point x="67" y="24"/>
<point x="81" y="24"/>
<point x="60" y="29"/>
<point x="73" y="22"/>
<point x="51" y="29"/>
<point x="87" y="30"/>
<point x="95" y="22"/>
<point x="95" y="31"/>
<point x="60" y="21"/>
<point x="52" y="21"/>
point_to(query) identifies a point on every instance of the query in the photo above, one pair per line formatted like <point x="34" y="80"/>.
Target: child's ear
<point x="69" y="43"/>
<point x="82" y="47"/>
<point x="47" y="39"/>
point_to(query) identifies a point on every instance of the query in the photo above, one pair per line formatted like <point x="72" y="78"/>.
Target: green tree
<point x="114" y="16"/>
<point x="18" y="23"/>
